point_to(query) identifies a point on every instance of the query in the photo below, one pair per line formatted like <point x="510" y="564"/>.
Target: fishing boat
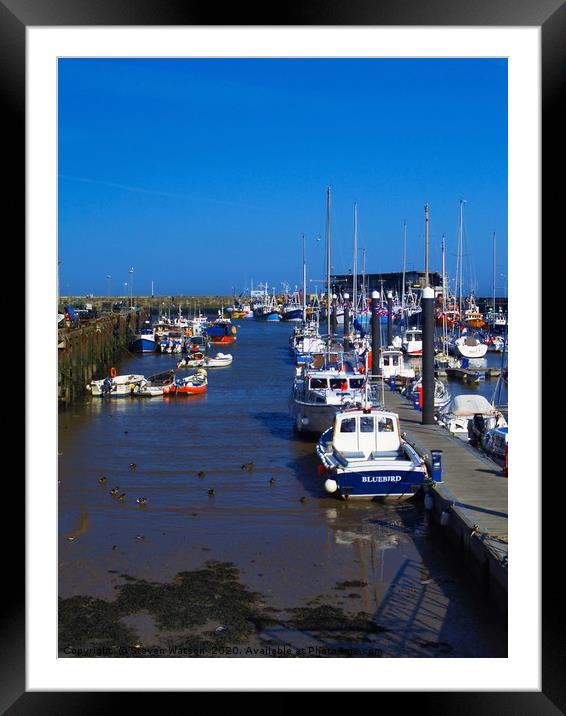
<point x="392" y="364"/>
<point x="144" y="340"/>
<point x="195" y="384"/>
<point x="413" y="342"/>
<point x="115" y="386"/>
<point x="221" y="331"/>
<point x="462" y="409"/>
<point x="473" y="318"/>
<point x="318" y="394"/>
<point x="218" y="361"/>
<point x="363" y="455"/>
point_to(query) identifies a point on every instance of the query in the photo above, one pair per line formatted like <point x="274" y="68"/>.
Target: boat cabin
<point x="366" y="435"/>
<point x="340" y="382"/>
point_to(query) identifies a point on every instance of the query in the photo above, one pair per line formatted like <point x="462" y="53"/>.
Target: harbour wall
<point x="88" y="351"/>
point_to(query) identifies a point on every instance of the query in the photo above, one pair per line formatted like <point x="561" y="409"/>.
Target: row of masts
<point x="458" y="291"/>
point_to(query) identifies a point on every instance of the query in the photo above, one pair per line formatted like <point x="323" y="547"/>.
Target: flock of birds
<point x="142" y="501"/>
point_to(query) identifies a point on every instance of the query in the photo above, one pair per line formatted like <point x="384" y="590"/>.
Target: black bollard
<point x="375" y="334"/>
<point x="389" y="319"/>
<point x="427" y="304"/>
<point x="346" y="322"/>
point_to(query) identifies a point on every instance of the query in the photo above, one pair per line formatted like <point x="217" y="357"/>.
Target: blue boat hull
<point x="379" y="483"/>
<point x="294" y="315"/>
<point x="143" y="345"/>
<point x="268" y="317"/>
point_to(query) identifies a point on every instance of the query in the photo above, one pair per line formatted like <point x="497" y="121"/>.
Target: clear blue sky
<point x="203" y="174"/>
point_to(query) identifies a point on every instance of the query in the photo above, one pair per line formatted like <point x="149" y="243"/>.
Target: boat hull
<point x="143" y="345"/>
<point x="389" y="483"/>
<point x="270" y="317"/>
<point x="310" y="418"/>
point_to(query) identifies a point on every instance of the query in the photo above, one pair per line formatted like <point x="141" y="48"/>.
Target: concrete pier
<point x="470" y="502"/>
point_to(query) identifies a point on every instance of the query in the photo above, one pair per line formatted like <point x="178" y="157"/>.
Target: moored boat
<point x="195" y="384"/>
<point x="364" y="455"/>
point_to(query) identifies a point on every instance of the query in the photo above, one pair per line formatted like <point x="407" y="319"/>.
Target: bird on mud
<point x="115" y="491"/>
<point x="303" y="499"/>
<point x="103" y="480"/>
<point x="142" y="500"/>
<point x="211" y="492"/>
<point x="122" y="497"/>
<point x="272" y="481"/>
<point x="201" y="473"/>
<point x="133" y="466"/>
<point x="249" y="466"/>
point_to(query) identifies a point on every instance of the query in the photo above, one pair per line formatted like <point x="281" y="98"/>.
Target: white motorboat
<point x="392" y="364"/>
<point x="115" y="386"/>
<point x="364" y="455"/>
<point x="462" y="409"/>
<point x="413" y="342"/>
<point x="218" y="361"/>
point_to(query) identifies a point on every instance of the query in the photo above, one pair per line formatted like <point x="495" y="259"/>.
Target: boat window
<point x="348" y="425"/>
<point x="385" y="425"/>
<point x="356" y="383"/>
<point x="338" y="384"/>
<point x="395" y="360"/>
<point x="385" y="360"/>
<point x="366" y="424"/>
<point x="318" y="383"/>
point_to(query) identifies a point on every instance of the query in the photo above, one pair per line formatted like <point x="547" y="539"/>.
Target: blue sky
<point x="204" y="174"/>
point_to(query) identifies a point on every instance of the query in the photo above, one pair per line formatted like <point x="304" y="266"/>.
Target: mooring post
<point x="375" y="335"/>
<point x="427" y="304"/>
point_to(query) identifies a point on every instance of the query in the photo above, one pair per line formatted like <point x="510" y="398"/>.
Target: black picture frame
<point x="15" y="16"/>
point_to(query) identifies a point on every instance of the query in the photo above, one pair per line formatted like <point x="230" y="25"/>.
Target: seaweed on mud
<point x="90" y="620"/>
<point x="352" y="583"/>
<point x="203" y="611"/>
<point x="192" y="600"/>
<point x="330" y="619"/>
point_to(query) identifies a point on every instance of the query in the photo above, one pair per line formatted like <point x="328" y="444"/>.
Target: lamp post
<point x="109" y="283"/>
<point x="131" y="272"/>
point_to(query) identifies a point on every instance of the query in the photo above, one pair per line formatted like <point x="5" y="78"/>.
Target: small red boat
<point x="191" y="385"/>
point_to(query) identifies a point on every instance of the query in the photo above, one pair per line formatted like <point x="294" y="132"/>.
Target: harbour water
<point x="267" y="565"/>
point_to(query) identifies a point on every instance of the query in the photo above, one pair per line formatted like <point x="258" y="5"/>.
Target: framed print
<point x="173" y="165"/>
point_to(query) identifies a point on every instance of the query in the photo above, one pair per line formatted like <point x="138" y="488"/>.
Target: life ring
<point x="361" y="369"/>
<point x="112" y="372"/>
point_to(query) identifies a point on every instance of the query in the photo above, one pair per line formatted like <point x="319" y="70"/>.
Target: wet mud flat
<point x="237" y="550"/>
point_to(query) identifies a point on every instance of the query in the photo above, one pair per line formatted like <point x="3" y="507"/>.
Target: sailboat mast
<point x="444" y="336"/>
<point x="304" y="283"/>
<point x="328" y="296"/>
<point x="404" y="264"/>
<point x="355" y="264"/>
<point x="459" y="270"/>
<point x="493" y="280"/>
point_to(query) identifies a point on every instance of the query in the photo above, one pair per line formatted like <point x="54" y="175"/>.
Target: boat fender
<point x="112" y="372"/>
<point x="330" y="485"/>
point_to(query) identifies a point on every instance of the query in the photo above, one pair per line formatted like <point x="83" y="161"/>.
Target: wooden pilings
<point x="89" y="351"/>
